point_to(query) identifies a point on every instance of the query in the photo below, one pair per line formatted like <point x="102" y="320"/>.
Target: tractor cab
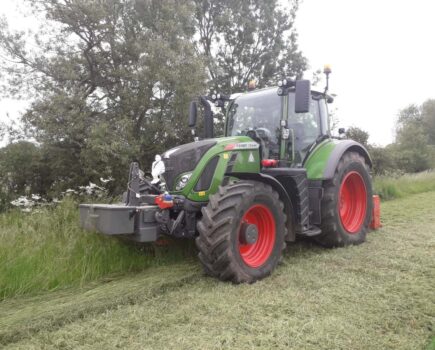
<point x="271" y="121"/>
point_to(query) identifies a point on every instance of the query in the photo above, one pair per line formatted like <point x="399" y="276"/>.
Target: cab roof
<point x="313" y="92"/>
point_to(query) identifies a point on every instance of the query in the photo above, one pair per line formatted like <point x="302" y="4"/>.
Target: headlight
<point x="182" y="181"/>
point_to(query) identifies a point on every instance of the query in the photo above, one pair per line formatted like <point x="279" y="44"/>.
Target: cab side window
<point x="305" y="127"/>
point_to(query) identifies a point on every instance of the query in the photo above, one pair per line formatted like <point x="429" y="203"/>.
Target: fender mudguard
<point x="283" y="195"/>
<point x="323" y="161"/>
<point x="337" y="153"/>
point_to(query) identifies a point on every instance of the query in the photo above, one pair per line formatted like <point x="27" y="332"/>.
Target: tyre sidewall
<point x="259" y="197"/>
<point x="359" y="236"/>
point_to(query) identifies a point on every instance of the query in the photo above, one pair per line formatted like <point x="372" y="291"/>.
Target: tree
<point x="110" y="80"/>
<point x="22" y="169"/>
<point x="412" y="139"/>
<point x="383" y="159"/>
<point x="409" y="115"/>
<point x="358" y="135"/>
<point x="248" y="39"/>
<point x="413" y="154"/>
<point x="428" y="118"/>
<point x="414" y="147"/>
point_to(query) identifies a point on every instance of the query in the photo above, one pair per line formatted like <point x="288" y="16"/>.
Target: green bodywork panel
<point x="247" y="161"/>
<point x="318" y="159"/>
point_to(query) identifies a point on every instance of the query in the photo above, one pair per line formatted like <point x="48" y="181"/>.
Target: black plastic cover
<point x="206" y="177"/>
<point x="302" y="96"/>
<point x="183" y="159"/>
<point x="193" y="111"/>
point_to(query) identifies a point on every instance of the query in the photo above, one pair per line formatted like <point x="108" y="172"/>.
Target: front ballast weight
<point x="147" y="212"/>
<point x="137" y="223"/>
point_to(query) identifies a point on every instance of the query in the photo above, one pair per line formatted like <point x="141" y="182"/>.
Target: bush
<point x="22" y="169"/>
<point x="383" y="159"/>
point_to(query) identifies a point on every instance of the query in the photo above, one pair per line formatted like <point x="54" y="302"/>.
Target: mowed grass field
<point x="379" y="295"/>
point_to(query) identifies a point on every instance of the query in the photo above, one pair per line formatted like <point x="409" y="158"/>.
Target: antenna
<point x="327" y="71"/>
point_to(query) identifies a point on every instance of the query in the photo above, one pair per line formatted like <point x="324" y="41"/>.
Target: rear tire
<point x="223" y="248"/>
<point x="347" y="203"/>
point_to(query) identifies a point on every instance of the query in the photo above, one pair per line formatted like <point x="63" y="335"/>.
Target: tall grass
<point x="397" y="187"/>
<point x="47" y="250"/>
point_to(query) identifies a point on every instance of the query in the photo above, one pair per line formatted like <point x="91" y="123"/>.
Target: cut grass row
<point x="47" y="250"/>
<point x="23" y="316"/>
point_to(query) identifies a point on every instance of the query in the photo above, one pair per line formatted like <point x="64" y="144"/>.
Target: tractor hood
<point x="183" y="159"/>
<point x="197" y="168"/>
<point x="187" y="162"/>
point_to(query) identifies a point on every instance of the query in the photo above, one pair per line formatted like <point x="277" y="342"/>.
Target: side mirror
<point x="208" y="117"/>
<point x="193" y="112"/>
<point x="302" y="96"/>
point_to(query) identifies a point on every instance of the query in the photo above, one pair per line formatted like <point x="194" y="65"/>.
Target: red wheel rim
<point x="256" y="254"/>
<point x="352" y="202"/>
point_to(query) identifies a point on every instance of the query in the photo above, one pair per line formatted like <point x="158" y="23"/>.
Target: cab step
<point x="310" y="232"/>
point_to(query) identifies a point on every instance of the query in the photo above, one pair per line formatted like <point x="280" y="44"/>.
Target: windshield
<point x="257" y="115"/>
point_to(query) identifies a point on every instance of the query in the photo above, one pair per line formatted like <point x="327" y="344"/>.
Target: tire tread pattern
<point x="214" y="241"/>
<point x="332" y="233"/>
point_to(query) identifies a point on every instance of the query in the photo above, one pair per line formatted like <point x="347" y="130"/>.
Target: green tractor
<point x="276" y="175"/>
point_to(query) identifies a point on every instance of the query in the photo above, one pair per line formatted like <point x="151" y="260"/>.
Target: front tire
<point x="347" y="203"/>
<point x="241" y="233"/>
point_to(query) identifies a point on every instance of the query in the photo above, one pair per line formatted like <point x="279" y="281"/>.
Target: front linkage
<point x="146" y="213"/>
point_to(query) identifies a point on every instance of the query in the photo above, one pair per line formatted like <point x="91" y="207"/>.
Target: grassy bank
<point x="399" y="187"/>
<point x="47" y="250"/>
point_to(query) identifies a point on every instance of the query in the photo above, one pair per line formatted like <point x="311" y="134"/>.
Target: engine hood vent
<point x="183" y="159"/>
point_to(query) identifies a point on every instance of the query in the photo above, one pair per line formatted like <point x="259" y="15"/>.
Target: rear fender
<point x="337" y="153"/>
<point x="323" y="161"/>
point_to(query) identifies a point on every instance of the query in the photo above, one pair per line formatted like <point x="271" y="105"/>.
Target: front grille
<point x="183" y="159"/>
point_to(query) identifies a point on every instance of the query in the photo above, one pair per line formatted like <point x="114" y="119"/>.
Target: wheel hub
<point x="256" y="235"/>
<point x="248" y="233"/>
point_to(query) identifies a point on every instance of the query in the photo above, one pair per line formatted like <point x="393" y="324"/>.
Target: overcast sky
<point x="382" y="54"/>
